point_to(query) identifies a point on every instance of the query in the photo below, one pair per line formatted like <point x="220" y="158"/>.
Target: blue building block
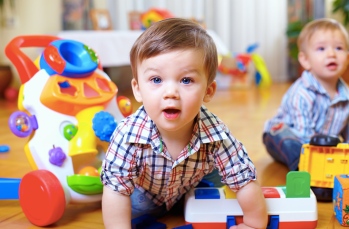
<point x="189" y="226"/>
<point x="231" y="221"/>
<point x="205" y="184"/>
<point x="9" y="188"/>
<point x="207" y="193"/>
<point x="146" y="222"/>
<point x="274" y="222"/>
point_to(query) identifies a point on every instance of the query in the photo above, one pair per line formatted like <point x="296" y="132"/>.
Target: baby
<point x="318" y="102"/>
<point x="171" y="142"/>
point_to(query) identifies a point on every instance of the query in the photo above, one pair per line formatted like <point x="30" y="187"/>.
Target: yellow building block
<point x="229" y="194"/>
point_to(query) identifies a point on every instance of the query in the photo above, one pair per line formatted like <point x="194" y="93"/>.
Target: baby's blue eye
<point x="339" y="48"/>
<point x="186" y="80"/>
<point x="321" y="49"/>
<point x="156" y="80"/>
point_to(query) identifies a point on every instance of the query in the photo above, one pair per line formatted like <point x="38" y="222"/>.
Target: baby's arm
<point x="252" y="203"/>
<point x="239" y="174"/>
<point x="116" y="209"/>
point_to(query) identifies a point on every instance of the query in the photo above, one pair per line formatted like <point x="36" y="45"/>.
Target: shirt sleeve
<point x="119" y="168"/>
<point x="233" y="163"/>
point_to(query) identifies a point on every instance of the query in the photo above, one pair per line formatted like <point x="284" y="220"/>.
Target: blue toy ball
<point x="104" y="125"/>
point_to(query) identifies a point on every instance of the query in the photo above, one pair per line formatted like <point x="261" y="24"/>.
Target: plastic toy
<point x="154" y="15"/>
<point x="4" y="148"/>
<point x="68" y="108"/>
<point x="293" y="206"/>
<point x="324" y="157"/>
<point x="237" y="67"/>
<point x="146" y="222"/>
<point x="341" y="199"/>
<point x="9" y="188"/>
<point x="11" y="94"/>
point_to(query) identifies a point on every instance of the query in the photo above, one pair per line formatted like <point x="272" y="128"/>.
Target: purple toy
<point x="57" y="156"/>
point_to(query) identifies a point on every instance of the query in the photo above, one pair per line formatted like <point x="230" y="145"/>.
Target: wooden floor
<point x="244" y="111"/>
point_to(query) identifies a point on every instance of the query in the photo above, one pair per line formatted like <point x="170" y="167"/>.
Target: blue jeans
<point x="142" y="205"/>
<point x="284" y="146"/>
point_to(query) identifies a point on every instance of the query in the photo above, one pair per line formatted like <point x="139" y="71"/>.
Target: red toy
<point x="11" y="94"/>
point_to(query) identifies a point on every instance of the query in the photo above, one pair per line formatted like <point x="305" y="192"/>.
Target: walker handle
<point x="24" y="65"/>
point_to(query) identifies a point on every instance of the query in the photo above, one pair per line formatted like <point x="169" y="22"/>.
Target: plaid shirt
<point x="308" y="109"/>
<point x="134" y="159"/>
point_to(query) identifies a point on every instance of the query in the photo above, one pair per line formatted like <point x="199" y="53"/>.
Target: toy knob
<point x="103" y="125"/>
<point x="22" y="124"/>
<point x="56" y="156"/>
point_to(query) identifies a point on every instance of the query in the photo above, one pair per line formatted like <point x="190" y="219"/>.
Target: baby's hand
<point x="241" y="226"/>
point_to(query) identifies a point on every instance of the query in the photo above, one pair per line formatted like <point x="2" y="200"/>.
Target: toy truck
<point x="324" y="157"/>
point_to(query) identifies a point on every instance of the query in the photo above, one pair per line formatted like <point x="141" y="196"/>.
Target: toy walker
<point x="68" y="108"/>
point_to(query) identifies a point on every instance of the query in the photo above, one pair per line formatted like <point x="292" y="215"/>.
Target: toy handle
<point x="24" y="65"/>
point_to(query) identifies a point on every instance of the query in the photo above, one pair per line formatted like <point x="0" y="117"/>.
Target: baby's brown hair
<point x="175" y="34"/>
<point x="320" y="24"/>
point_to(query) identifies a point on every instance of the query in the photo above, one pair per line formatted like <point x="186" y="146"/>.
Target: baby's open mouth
<point x="331" y="65"/>
<point x="171" y="113"/>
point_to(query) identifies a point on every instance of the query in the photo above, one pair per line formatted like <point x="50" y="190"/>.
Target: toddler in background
<point x="318" y="102"/>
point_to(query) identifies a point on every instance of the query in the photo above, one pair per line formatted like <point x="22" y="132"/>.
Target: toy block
<point x="229" y="194"/>
<point x="270" y="192"/>
<point x="341" y="199"/>
<point x="231" y="221"/>
<point x="9" y="188"/>
<point x="189" y="226"/>
<point x="203" y="193"/>
<point x="274" y="222"/>
<point x="298" y="184"/>
<point x="205" y="184"/>
<point x="146" y="222"/>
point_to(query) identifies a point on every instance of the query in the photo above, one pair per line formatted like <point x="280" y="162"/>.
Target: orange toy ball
<point x="89" y="171"/>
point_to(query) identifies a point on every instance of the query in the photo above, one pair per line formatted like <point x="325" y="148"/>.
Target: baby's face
<point x="327" y="54"/>
<point x="172" y="87"/>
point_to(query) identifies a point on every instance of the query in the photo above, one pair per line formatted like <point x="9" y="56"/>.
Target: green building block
<point x="298" y="184"/>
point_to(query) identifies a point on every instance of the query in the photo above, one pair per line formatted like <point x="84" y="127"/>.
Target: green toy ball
<point x="69" y="131"/>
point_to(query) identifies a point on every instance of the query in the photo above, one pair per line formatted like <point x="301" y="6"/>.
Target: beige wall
<point x="328" y="12"/>
<point x="33" y="17"/>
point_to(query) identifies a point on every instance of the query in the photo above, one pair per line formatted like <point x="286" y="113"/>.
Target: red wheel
<point x="42" y="197"/>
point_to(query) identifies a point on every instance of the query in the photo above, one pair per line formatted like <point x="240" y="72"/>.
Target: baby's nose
<point x="331" y="52"/>
<point x="171" y="92"/>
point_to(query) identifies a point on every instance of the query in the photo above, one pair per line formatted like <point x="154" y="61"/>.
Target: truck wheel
<point x="324" y="140"/>
<point x="323" y="194"/>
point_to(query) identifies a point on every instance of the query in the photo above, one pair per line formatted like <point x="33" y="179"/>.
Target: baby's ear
<point x="210" y="91"/>
<point x="136" y="92"/>
<point x="303" y="60"/>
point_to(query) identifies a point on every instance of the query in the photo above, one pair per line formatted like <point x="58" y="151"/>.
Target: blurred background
<point x="271" y="24"/>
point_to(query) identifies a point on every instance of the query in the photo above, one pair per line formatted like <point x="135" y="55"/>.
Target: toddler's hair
<point x="320" y="24"/>
<point x="175" y="34"/>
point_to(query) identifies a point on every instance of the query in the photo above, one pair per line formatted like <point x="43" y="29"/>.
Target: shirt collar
<point x="313" y="84"/>
<point x="141" y="129"/>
